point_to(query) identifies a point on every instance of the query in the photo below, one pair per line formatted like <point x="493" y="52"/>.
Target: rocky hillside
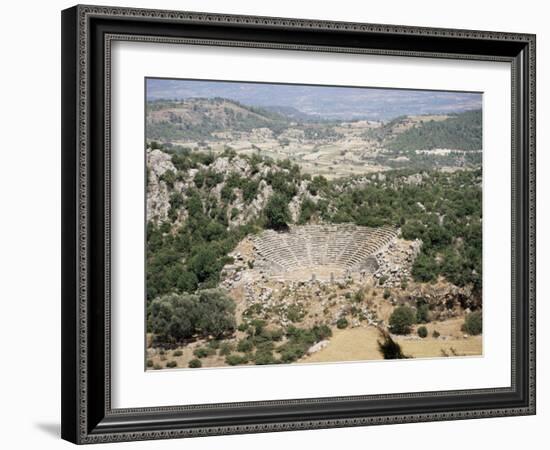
<point x="241" y="184"/>
<point x="200" y="205"/>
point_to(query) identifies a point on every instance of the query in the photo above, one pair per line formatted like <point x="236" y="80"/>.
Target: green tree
<point x="215" y="313"/>
<point x="319" y="183"/>
<point x="401" y="320"/>
<point x="174" y="318"/>
<point x="307" y="211"/>
<point x="250" y="190"/>
<point x="171" y="318"/>
<point x="277" y="213"/>
<point x="473" y="323"/>
<point x="425" y="268"/>
<point x="422" y="313"/>
<point x="187" y="281"/>
<point x="204" y="263"/>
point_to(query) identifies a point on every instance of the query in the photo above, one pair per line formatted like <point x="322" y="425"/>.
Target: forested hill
<point x="459" y="132"/>
<point x="197" y="119"/>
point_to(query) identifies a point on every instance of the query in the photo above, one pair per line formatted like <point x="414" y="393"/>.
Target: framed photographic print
<point x="281" y="224"/>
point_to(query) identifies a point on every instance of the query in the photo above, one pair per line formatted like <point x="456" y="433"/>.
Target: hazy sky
<point x="326" y="101"/>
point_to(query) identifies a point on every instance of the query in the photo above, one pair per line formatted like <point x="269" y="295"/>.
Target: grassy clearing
<point x="354" y="344"/>
<point x="360" y="344"/>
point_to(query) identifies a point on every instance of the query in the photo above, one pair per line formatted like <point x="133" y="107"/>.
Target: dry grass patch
<point x="432" y="348"/>
<point x="354" y="344"/>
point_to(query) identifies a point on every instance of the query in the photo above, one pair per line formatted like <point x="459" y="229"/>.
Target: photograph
<point x="273" y="222"/>
<point x="249" y="225"/>
<point x="310" y="224"/>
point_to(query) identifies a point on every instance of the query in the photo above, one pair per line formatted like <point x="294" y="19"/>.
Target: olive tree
<point x="175" y="317"/>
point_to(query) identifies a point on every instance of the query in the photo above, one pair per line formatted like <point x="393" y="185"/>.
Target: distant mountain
<point x="294" y="114"/>
<point x="329" y="102"/>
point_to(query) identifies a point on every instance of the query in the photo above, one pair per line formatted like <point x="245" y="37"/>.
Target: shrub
<point x="422" y="313"/>
<point x="234" y="360"/>
<point x="422" y="331"/>
<point x="267" y="346"/>
<point x="321" y="332"/>
<point x="473" y="323"/>
<point x="267" y="336"/>
<point x="382" y="280"/>
<point x="195" y="363"/>
<point x="171" y="364"/>
<point x="149" y="363"/>
<point x="386" y="294"/>
<point x="242" y="327"/>
<point x="299" y="340"/>
<point x="227" y="194"/>
<point x="435" y="334"/>
<point x="226" y="348"/>
<point x="292" y="351"/>
<point x="277" y="334"/>
<point x="250" y="190"/>
<point x="359" y="296"/>
<point x="263" y="357"/>
<point x="177" y="353"/>
<point x="295" y="313"/>
<point x="257" y="326"/>
<point x="168" y="177"/>
<point x="253" y="309"/>
<point x="202" y="352"/>
<point x="245" y="345"/>
<point x="262" y="338"/>
<point x="157" y="366"/>
<point x="213" y="344"/>
<point x="342" y="323"/>
<point x="401" y="320"/>
<point x="388" y="347"/>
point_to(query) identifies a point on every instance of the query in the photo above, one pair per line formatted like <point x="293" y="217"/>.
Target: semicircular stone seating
<point x="310" y="248"/>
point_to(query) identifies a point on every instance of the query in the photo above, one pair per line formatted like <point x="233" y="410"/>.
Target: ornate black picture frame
<point x="87" y="34"/>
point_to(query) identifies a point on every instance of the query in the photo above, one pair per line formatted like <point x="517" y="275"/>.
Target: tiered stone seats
<point x="343" y="246"/>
